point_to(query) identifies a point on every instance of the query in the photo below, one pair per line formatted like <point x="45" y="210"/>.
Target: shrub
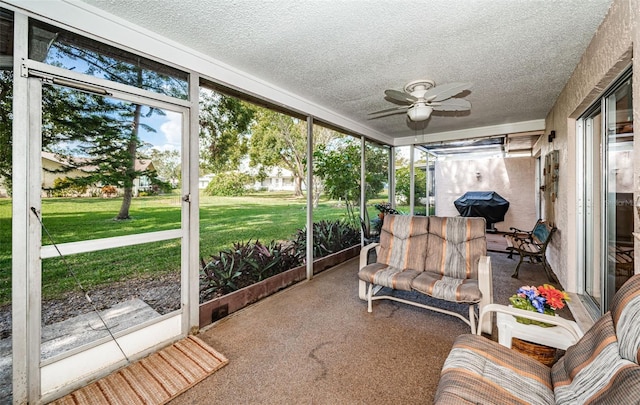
<point x="244" y="264"/>
<point x="328" y="237"/>
<point x="231" y="184"/>
<point x="109" y="191"/>
<point x="247" y="263"/>
<point x="64" y="187"/>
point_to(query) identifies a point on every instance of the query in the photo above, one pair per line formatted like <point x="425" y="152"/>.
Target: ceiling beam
<point x="479" y="132"/>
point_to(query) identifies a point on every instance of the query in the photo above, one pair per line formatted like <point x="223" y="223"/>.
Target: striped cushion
<point x="381" y="274"/>
<point x="403" y="242"/>
<point x="480" y="371"/>
<point x="447" y="288"/>
<point x="592" y="371"/>
<point x="603" y="365"/>
<point x="625" y="312"/>
<point x="455" y="246"/>
<point x="601" y="368"/>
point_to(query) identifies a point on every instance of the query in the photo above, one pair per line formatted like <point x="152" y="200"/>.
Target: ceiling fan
<point x="422" y="97"/>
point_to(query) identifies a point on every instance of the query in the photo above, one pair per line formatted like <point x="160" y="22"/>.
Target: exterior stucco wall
<point x="607" y="56"/>
<point x="512" y="178"/>
<point x="51" y="172"/>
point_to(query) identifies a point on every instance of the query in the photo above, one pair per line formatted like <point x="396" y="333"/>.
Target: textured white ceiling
<point x="343" y="54"/>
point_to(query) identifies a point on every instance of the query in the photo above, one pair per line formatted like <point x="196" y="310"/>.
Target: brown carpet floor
<point x="315" y="343"/>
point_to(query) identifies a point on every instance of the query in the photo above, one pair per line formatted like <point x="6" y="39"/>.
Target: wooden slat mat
<point x="156" y="379"/>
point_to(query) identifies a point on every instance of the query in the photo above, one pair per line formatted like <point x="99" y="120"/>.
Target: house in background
<point x="55" y="169"/>
<point x="276" y="179"/>
<point x="203" y="181"/>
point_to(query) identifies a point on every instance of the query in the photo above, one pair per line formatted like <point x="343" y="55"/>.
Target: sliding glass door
<point x="608" y="214"/>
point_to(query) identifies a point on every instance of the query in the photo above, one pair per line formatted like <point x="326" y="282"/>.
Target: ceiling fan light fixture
<point x="419" y="112"/>
<point x="421" y="97"/>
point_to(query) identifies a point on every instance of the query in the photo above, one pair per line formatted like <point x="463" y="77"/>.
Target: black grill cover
<point x="487" y="204"/>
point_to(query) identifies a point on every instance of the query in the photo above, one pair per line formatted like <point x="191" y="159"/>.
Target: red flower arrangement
<point x="545" y="299"/>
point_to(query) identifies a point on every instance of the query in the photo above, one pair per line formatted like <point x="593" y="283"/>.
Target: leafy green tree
<point x="322" y="137"/>
<point x="69" y="118"/>
<point x="168" y="165"/>
<point x="98" y="136"/>
<point x="339" y="168"/>
<point x="224" y="131"/>
<point x="6" y="119"/>
<point x="377" y="169"/>
<point x="279" y="140"/>
<point x="403" y="184"/>
<point x="101" y="135"/>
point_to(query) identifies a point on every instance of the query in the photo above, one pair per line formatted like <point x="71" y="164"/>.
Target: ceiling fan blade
<point x="452" y="104"/>
<point x="389" y="111"/>
<point x="446" y="91"/>
<point x="400" y="96"/>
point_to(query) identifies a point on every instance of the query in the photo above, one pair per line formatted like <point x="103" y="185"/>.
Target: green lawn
<point x="223" y="220"/>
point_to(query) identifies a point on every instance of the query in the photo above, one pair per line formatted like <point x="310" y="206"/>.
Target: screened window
<point x="57" y="47"/>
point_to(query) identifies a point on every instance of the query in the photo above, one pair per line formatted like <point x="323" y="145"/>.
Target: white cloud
<point x="172" y="130"/>
<point x="166" y="146"/>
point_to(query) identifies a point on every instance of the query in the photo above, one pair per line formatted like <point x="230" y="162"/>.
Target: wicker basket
<point x="544" y="354"/>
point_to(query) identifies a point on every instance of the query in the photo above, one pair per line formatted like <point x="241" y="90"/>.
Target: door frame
<point x="584" y="206"/>
<point x="45" y="380"/>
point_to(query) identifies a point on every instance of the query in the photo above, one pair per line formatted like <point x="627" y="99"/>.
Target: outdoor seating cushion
<point x="602" y="367"/>
<point x="447" y="288"/>
<point x="579" y="377"/>
<point x="401" y="235"/>
<point x="403" y="247"/>
<point x="381" y="274"/>
<point x="454" y="248"/>
<point x="481" y="371"/>
<point x="611" y="344"/>
<point x="625" y="313"/>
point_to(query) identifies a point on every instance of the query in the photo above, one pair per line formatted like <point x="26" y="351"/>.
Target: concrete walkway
<point x="74" y="332"/>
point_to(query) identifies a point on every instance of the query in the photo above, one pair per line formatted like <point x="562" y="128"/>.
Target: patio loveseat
<point x="601" y="368"/>
<point x="444" y="258"/>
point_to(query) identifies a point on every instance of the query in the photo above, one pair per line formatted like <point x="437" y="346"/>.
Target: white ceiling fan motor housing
<point x="417" y="88"/>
